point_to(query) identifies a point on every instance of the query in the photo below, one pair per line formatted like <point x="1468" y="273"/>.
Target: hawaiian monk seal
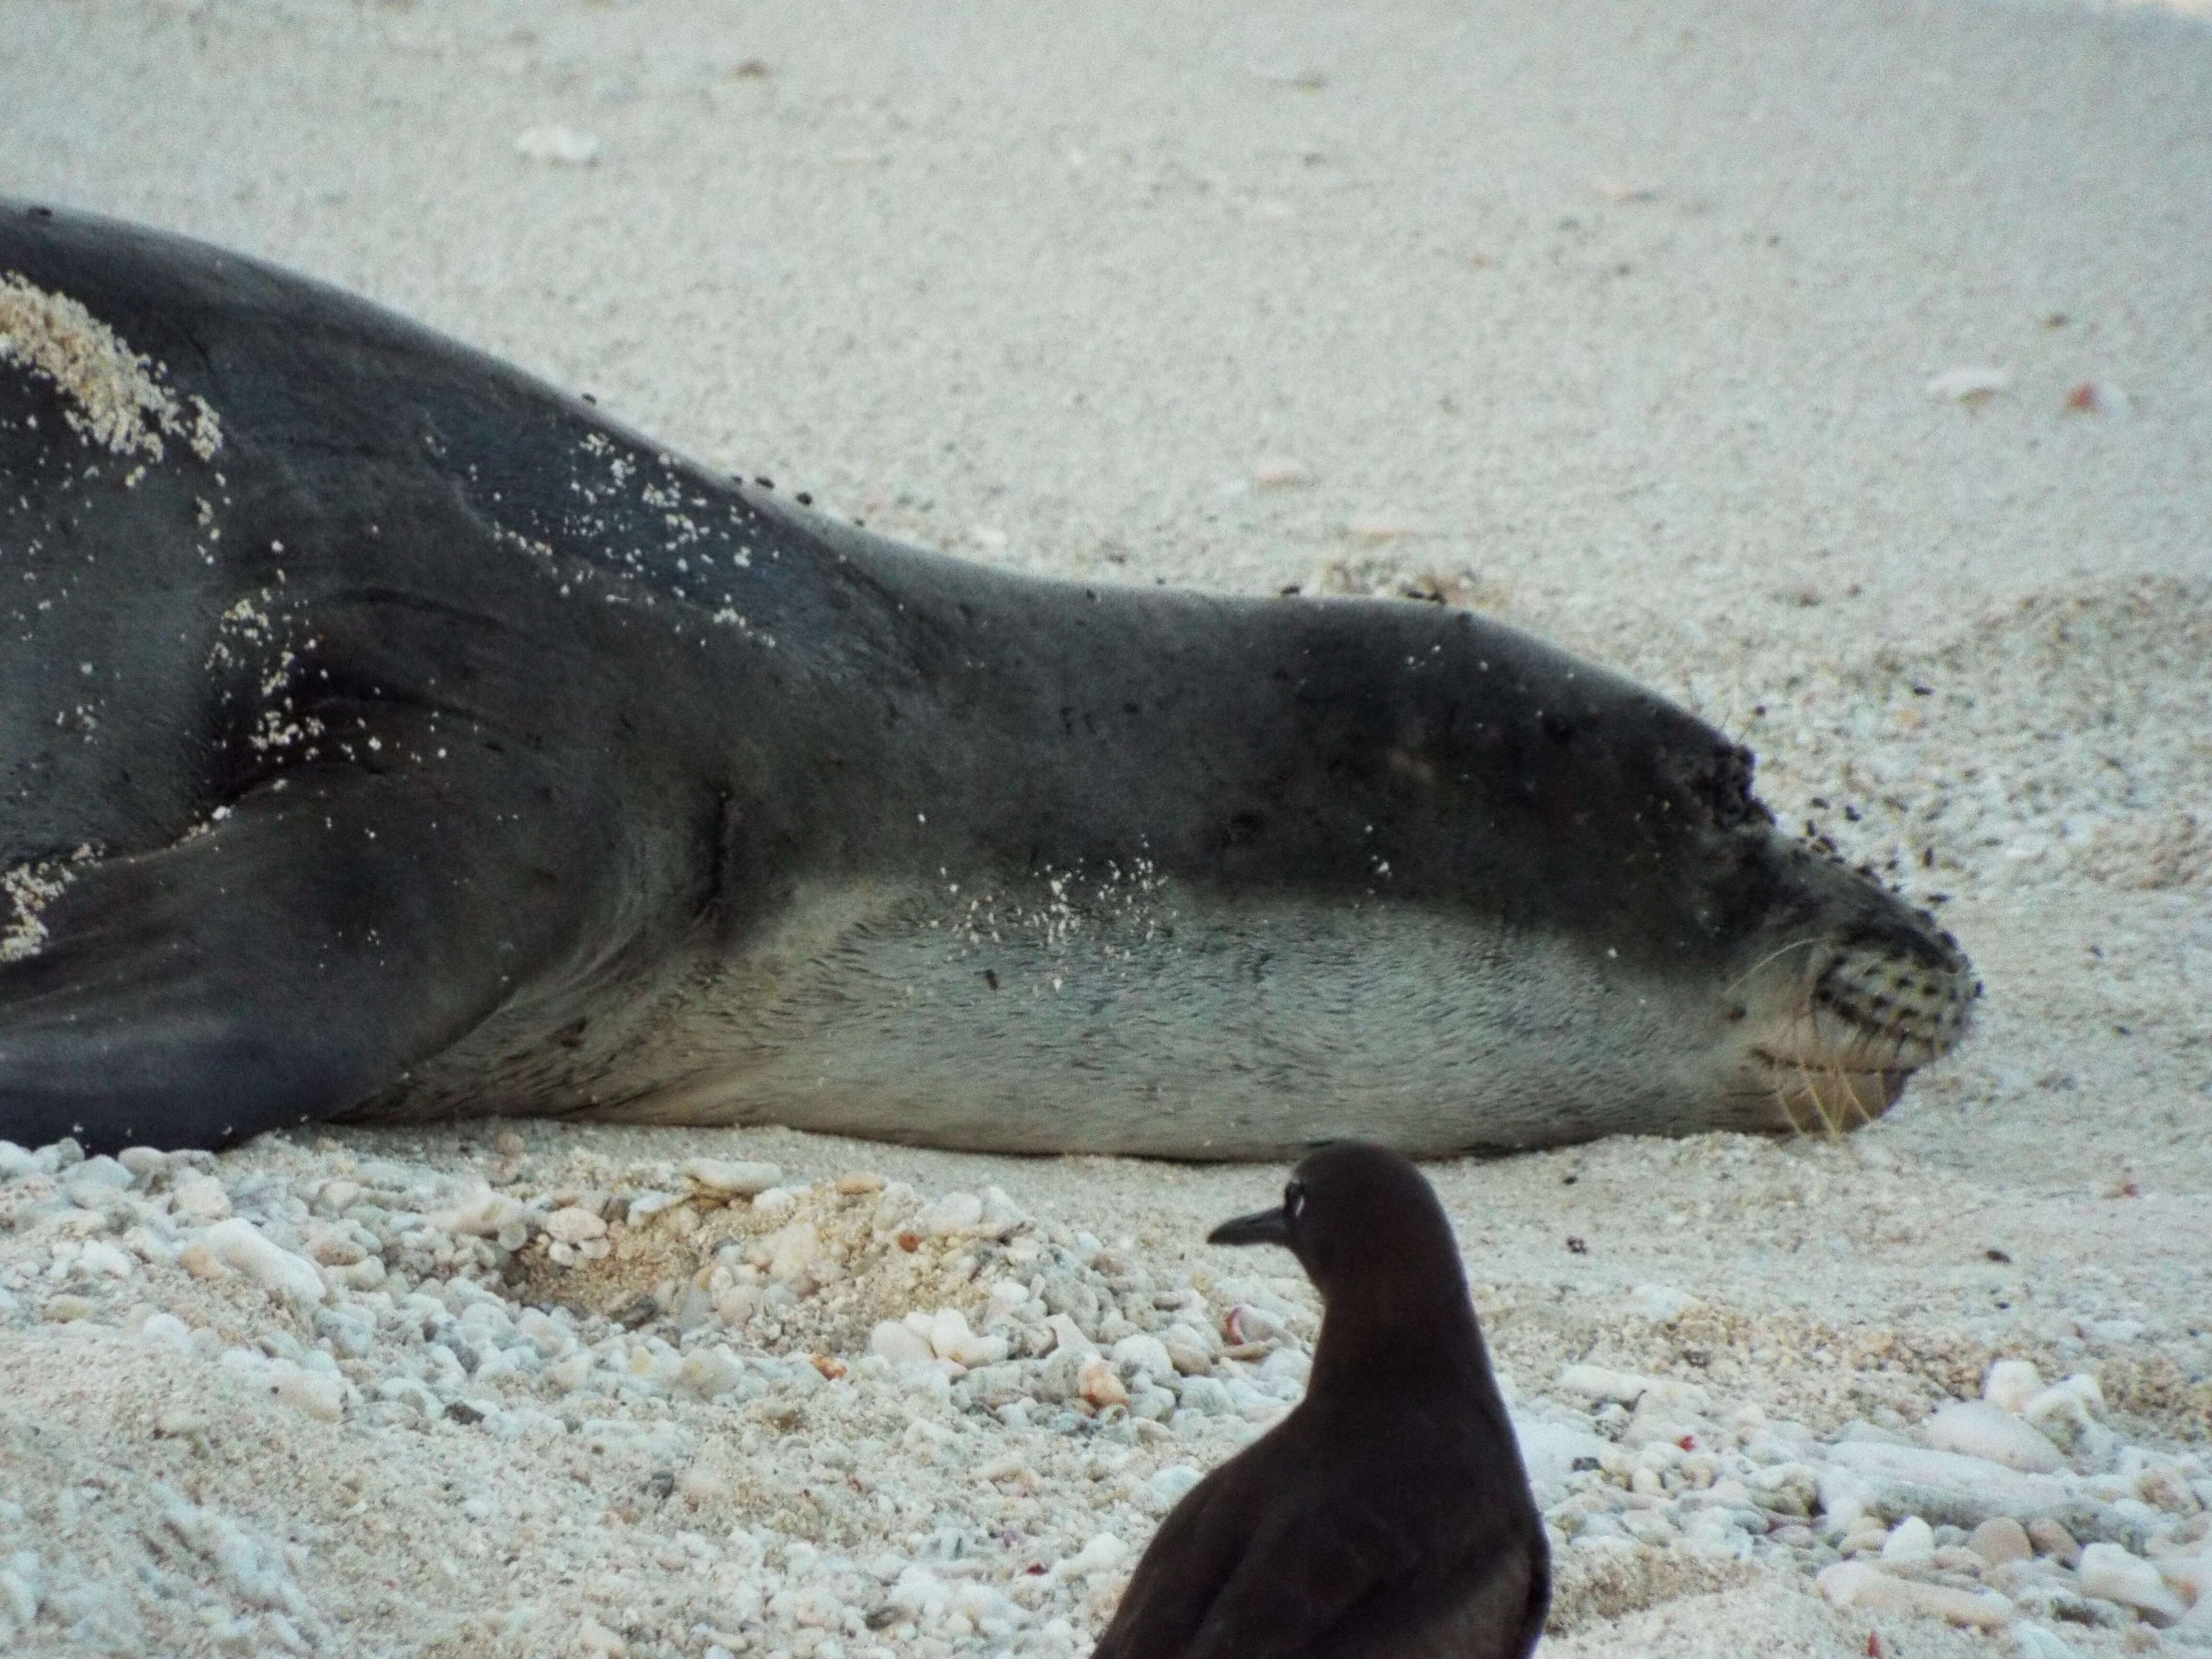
<point x="385" y="735"/>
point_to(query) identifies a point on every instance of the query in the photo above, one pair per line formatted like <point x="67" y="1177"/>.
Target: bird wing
<point x="1193" y="1555"/>
<point x="1539" y="1603"/>
<point x="1297" y="1580"/>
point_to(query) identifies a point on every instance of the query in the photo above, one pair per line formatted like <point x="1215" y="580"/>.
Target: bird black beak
<point x="1262" y="1227"/>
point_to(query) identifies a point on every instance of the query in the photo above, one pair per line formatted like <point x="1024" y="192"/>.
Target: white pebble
<point x="1190" y="1349"/>
<point x="893" y="1204"/>
<point x="1204" y="1396"/>
<point x="239" y="1244"/>
<point x="314" y="1393"/>
<point x="951" y="1339"/>
<point x="709" y="1372"/>
<point x="1144" y="1353"/>
<point x="2081" y="1386"/>
<point x="550" y="1337"/>
<point x="2040" y="1642"/>
<point x="955" y="1212"/>
<point x="96" y="1173"/>
<point x="168" y="1330"/>
<point x="775" y="1201"/>
<point x="200" y="1198"/>
<point x="1374" y="528"/>
<point x="20" y="1596"/>
<point x="1101" y="1555"/>
<point x="100" y="1256"/>
<point x="558" y="146"/>
<point x="572" y="1373"/>
<point x="573" y="1225"/>
<point x="2191" y="1577"/>
<point x="1600" y="1382"/>
<point x="2011" y="1384"/>
<point x="1912" y="1542"/>
<point x="920" y="1593"/>
<point x="480" y="1213"/>
<point x="729" y="1178"/>
<point x="1978" y="1429"/>
<point x="1856" y="1584"/>
<point x="893" y="1341"/>
<point x="1969" y="385"/>
<point x="1661" y="1303"/>
<point x="2165" y="1488"/>
<point x="1068" y="1337"/>
<point x="792" y="1251"/>
<point x="1170" y="1484"/>
<point x="2110" y="1572"/>
<point x="737" y="1306"/>
<point x="2067" y="1412"/>
<point x="1945" y="1486"/>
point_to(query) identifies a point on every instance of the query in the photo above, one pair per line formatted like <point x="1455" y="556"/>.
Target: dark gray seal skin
<point x="385" y="735"/>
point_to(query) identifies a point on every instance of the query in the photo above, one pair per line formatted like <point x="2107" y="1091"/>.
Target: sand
<point x="1845" y="371"/>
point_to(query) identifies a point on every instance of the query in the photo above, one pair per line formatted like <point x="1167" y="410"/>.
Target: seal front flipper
<point x="306" y="946"/>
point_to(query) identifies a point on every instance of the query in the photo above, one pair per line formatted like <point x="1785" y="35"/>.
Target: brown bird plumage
<point x="1388" y="1515"/>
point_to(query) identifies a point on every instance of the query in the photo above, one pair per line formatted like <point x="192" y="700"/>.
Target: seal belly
<point x="1145" y="1017"/>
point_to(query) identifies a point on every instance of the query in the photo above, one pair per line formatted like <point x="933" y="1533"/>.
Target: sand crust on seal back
<point x="28" y="888"/>
<point x="115" y="397"/>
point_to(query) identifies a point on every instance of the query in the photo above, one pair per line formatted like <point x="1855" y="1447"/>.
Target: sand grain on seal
<point x="116" y="397"/>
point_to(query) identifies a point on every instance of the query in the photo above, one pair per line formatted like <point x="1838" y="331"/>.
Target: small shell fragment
<point x="1969" y="385"/>
<point x="558" y="146"/>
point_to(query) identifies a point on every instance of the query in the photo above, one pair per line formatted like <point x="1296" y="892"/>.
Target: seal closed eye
<point x="385" y="735"/>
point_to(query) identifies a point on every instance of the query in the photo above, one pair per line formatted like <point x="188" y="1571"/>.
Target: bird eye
<point x="1294" y="1198"/>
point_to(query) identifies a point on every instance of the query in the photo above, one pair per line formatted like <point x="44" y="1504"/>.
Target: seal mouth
<point x="1852" y="1029"/>
<point x="1806" y="1097"/>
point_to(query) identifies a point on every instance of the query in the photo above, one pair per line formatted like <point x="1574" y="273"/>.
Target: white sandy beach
<point x="1843" y="370"/>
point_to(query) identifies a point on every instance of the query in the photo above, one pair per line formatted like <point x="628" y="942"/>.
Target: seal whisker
<point x="1819" y="1107"/>
<point x="1852" y="1095"/>
<point x="1782" y="1101"/>
<point x="1772" y="956"/>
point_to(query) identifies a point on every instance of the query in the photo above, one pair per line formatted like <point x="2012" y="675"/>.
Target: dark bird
<point x="1388" y="1515"/>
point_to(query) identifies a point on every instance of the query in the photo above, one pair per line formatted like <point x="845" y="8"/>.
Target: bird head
<point x="1366" y="1227"/>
